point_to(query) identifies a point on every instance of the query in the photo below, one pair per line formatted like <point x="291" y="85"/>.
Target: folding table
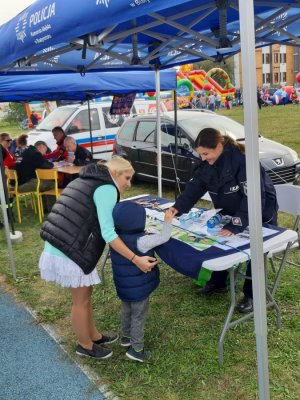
<point x="215" y="259"/>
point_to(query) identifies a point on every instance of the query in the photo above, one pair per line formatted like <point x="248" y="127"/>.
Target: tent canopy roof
<point x="55" y="36"/>
<point x="77" y="87"/>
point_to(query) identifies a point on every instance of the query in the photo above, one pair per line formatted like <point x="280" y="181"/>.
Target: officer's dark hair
<point x="210" y="138"/>
<point x="58" y="129"/>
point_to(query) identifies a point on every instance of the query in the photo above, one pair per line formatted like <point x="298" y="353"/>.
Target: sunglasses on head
<point x="8" y="140"/>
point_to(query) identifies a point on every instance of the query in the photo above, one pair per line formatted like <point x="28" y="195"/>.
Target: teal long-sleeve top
<point x="105" y="198"/>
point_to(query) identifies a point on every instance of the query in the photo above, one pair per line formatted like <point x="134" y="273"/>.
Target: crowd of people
<point x="89" y="215"/>
<point x="213" y="100"/>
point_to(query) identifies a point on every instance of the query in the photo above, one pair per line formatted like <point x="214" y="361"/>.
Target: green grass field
<point x="182" y="329"/>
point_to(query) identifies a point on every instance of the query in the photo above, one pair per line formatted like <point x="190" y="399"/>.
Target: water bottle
<point x="214" y="221"/>
<point x="184" y="218"/>
<point x="195" y="215"/>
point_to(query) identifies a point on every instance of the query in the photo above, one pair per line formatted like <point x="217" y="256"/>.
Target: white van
<point x="74" y="119"/>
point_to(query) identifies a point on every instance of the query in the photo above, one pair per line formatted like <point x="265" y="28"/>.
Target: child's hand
<point x="169" y="216"/>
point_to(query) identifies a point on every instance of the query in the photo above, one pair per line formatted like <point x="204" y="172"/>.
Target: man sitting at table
<point x="76" y="154"/>
<point x="31" y="159"/>
<point x="60" y="153"/>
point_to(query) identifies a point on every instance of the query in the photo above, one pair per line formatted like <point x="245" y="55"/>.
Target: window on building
<point x="267" y="58"/>
<point x="276" y="58"/>
<point x="275" y="77"/>
<point x="264" y="78"/>
<point x="268" y="78"/>
<point x="263" y="58"/>
<point x="283" y="77"/>
<point x="283" y="58"/>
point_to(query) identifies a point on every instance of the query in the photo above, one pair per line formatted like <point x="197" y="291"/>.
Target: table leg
<point x="229" y="315"/>
<point x="105" y="258"/>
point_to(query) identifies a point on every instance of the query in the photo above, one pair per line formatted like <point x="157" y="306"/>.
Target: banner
<point x="122" y="104"/>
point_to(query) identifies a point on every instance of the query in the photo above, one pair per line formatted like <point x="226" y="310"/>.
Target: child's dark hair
<point x="210" y="138"/>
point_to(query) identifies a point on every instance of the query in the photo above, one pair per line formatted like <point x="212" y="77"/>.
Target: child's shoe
<point x="125" y="341"/>
<point x="140" y="356"/>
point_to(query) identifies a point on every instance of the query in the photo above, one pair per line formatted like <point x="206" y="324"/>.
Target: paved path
<point x="32" y="364"/>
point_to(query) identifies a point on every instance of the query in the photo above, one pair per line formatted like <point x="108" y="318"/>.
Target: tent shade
<point x="50" y="36"/>
<point x="77" y="87"/>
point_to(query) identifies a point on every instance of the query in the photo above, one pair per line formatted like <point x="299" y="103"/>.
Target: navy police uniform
<point x="226" y="183"/>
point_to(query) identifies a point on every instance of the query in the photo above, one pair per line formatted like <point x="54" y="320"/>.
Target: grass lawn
<point x="182" y="329"/>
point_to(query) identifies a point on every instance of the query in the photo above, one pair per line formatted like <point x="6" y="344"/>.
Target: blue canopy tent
<point x="82" y="36"/>
<point x="104" y="34"/>
<point x="74" y="86"/>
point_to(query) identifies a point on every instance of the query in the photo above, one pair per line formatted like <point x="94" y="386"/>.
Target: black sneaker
<point x="246" y="305"/>
<point x="140" y="356"/>
<point x="125" y="341"/>
<point x="107" y="339"/>
<point x="211" y="288"/>
<point x="97" y="352"/>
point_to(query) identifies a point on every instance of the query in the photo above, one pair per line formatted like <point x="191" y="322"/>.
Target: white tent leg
<point x="253" y="189"/>
<point x="6" y="227"/>
<point x="157" y="88"/>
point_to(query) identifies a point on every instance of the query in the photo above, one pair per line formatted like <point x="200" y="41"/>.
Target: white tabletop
<point x="226" y="262"/>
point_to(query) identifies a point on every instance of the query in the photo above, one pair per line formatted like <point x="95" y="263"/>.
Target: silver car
<point x="136" y="141"/>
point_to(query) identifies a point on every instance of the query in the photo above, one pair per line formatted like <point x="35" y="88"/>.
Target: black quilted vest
<point x="72" y="225"/>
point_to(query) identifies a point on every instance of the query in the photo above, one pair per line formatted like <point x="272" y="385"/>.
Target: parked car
<point x="136" y="141"/>
<point x="75" y="121"/>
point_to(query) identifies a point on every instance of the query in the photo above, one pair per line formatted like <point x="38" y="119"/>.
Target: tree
<point x="16" y="112"/>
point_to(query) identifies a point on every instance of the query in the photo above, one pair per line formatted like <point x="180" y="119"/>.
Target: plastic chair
<point x="288" y="197"/>
<point x="12" y="186"/>
<point x="46" y="175"/>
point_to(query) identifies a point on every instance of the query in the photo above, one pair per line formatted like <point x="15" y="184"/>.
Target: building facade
<point x="276" y="66"/>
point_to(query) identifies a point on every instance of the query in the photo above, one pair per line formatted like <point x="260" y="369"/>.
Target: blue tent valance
<point x="78" y="87"/>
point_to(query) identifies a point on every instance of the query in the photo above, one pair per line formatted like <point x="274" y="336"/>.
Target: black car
<point x="136" y="141"/>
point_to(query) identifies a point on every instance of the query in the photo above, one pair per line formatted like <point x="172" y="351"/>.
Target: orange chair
<point x="12" y="186"/>
<point x="46" y="175"/>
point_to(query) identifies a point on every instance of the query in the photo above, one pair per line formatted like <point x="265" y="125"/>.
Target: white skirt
<point x="65" y="272"/>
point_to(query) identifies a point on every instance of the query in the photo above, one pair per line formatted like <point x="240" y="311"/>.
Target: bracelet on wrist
<point x="132" y="258"/>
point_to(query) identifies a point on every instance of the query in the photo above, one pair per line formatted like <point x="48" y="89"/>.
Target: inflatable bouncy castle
<point x="189" y="81"/>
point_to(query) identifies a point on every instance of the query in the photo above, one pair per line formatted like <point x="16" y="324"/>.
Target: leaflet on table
<point x="60" y="164"/>
<point x="196" y="235"/>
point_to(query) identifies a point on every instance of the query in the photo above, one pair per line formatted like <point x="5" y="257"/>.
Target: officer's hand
<point x="225" y="233"/>
<point x="173" y="211"/>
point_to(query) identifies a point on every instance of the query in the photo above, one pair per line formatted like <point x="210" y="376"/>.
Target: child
<point x="132" y="284"/>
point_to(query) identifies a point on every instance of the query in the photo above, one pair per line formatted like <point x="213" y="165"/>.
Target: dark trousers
<point x="219" y="279"/>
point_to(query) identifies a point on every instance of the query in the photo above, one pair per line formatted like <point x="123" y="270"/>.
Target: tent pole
<point x="246" y="10"/>
<point x="90" y="128"/>
<point x="177" y="183"/>
<point x="5" y="221"/>
<point x="158" y="135"/>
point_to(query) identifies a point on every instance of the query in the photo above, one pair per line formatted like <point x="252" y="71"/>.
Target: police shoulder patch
<point x="237" y="221"/>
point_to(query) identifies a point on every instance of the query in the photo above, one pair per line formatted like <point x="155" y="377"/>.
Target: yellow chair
<point x="48" y="175"/>
<point x="12" y="186"/>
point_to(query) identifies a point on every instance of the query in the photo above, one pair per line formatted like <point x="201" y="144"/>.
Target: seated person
<point x="18" y="145"/>
<point x="76" y="154"/>
<point x="60" y="153"/>
<point x="8" y="159"/>
<point x="32" y="158"/>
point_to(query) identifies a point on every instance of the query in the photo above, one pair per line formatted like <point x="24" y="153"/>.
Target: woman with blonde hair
<point x="75" y="233"/>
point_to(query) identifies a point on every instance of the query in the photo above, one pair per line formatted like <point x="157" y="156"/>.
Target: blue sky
<point x="12" y="8"/>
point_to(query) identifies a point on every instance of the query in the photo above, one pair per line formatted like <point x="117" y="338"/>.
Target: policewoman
<point x="222" y="174"/>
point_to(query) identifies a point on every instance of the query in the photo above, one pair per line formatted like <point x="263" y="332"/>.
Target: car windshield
<point x="56" y="118"/>
<point x="194" y="125"/>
